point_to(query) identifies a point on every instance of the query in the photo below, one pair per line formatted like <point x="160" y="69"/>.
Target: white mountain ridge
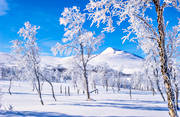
<point x="116" y="59"/>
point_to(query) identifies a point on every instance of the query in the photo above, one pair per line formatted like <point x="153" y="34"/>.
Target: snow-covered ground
<point x="25" y="102"/>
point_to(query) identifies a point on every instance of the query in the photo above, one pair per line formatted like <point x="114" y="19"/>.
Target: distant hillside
<point x="116" y="59"/>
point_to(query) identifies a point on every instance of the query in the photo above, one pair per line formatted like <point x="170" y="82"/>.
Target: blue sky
<point x="46" y="13"/>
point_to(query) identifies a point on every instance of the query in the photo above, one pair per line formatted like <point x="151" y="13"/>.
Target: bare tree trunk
<point x="155" y="72"/>
<point x="78" y="91"/>
<point x="118" y="86"/>
<point x="39" y="86"/>
<point x="52" y="89"/>
<point x="75" y="85"/>
<point x="94" y="84"/>
<point x="33" y="87"/>
<point x="176" y="87"/>
<point x="153" y="92"/>
<point x="87" y="86"/>
<point x="106" y="81"/>
<point x="10" y="84"/>
<point x="159" y="89"/>
<point x="68" y="90"/>
<point x="42" y="85"/>
<point x="61" y="89"/>
<point x="130" y="95"/>
<point x="177" y="95"/>
<point x="65" y="92"/>
<point x="85" y="72"/>
<point x="113" y="87"/>
<point x="152" y="87"/>
<point x="39" y="91"/>
<point x="163" y="59"/>
<point x="166" y="77"/>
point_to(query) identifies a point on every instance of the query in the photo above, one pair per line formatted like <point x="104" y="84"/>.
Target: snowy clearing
<point x="25" y="102"/>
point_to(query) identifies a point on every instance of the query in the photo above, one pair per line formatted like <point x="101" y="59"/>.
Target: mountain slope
<point x="6" y="59"/>
<point x="116" y="59"/>
<point x="119" y="60"/>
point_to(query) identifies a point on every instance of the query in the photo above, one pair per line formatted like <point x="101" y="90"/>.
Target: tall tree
<point x="77" y="41"/>
<point x="28" y="50"/>
<point x="172" y="53"/>
<point x="140" y="25"/>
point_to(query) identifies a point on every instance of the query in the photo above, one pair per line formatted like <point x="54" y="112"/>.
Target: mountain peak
<point x="108" y="50"/>
<point x="113" y="51"/>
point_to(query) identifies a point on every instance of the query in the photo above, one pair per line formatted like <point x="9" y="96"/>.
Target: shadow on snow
<point x="34" y="114"/>
<point x="43" y="114"/>
<point x="123" y="106"/>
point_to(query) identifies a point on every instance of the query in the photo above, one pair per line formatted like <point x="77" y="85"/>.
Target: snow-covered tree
<point x="106" y="75"/>
<point x="139" y="81"/>
<point x="77" y="41"/>
<point x="172" y="50"/>
<point x="152" y="64"/>
<point x="140" y="26"/>
<point x="28" y="50"/>
<point x="76" y="76"/>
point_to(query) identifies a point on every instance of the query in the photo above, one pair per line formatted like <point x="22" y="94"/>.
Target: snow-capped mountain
<point x="116" y="59"/>
<point x="119" y="60"/>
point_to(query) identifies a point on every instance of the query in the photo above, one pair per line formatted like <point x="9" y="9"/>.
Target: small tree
<point x="28" y="50"/>
<point x="77" y="41"/>
<point x="152" y="64"/>
<point x="47" y="76"/>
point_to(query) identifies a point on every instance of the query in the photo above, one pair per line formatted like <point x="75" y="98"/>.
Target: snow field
<point x="25" y="102"/>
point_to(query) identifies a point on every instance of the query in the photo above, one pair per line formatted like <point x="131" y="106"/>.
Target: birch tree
<point x="77" y="41"/>
<point x="27" y="48"/>
<point x="140" y="26"/>
<point x="172" y="53"/>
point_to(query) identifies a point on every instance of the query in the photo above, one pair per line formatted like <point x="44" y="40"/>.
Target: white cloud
<point x="3" y="7"/>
